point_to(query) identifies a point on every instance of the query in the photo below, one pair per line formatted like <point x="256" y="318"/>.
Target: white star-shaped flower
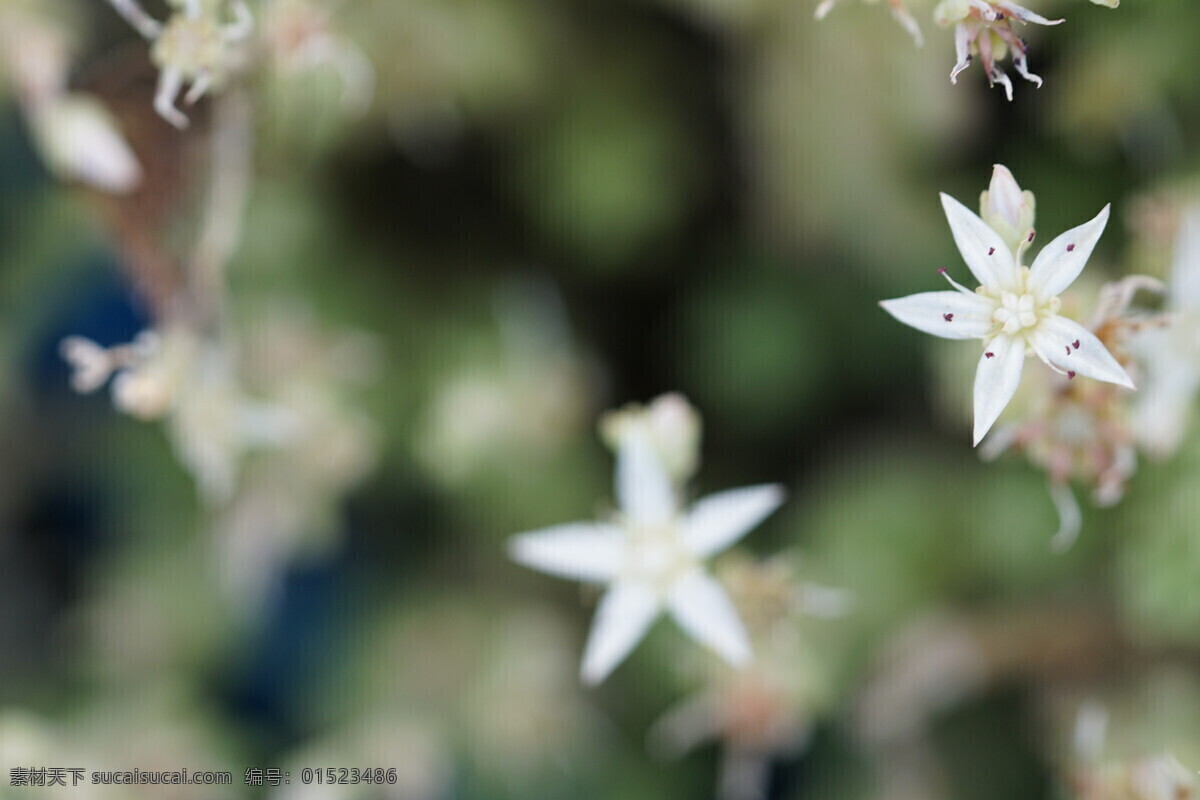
<point x="651" y="556"/>
<point x="1014" y="310"/>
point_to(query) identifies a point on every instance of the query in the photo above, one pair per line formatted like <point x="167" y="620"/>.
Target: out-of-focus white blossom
<point x="300" y="37"/>
<point x="195" y="46"/>
<point x="177" y="376"/>
<point x="651" y="557"/>
<point x="767" y="710"/>
<point x="1014" y="310"/>
<point x="1170" y="354"/>
<point x="75" y="134"/>
<point x="80" y="140"/>
<point x="1152" y="777"/>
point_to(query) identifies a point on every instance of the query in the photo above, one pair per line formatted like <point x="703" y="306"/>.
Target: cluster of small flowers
<point x="1074" y="430"/>
<point x="983" y="29"/>
<point x="76" y="135"/>
<point x="205" y="42"/>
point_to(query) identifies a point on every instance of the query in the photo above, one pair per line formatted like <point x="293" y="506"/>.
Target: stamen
<point x="1030" y="239"/>
<point x="1075" y="344"/>
<point x="1070" y="248"/>
<point x="948" y="317"/>
<point x="1070" y="375"/>
<point x="991" y="250"/>
<point x="990" y="355"/>
<point x="945" y="274"/>
<point x="1068" y="349"/>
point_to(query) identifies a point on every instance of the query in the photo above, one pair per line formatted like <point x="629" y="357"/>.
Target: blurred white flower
<point x="192" y="47"/>
<point x="985" y="29"/>
<point x="1156" y="777"/>
<point x="900" y="13"/>
<point x="768" y="709"/>
<point x="1170" y="355"/>
<point x="300" y="37"/>
<point x="1014" y="310"/>
<point x="651" y="557"/>
<point x="80" y="140"/>
<point x="176" y="376"/>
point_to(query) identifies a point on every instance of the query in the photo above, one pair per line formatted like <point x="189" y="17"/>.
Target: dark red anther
<point x="1075" y="344"/>
<point x="1030" y="236"/>
<point x="1068" y="349"/>
<point x="941" y="270"/>
<point x="1070" y="375"/>
<point x="991" y="250"/>
<point x="1070" y="248"/>
<point x="990" y="355"/>
<point x="948" y="317"/>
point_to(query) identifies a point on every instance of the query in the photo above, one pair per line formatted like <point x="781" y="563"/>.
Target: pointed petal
<point x="999" y="76"/>
<point x="996" y="380"/>
<point x="717" y="521"/>
<point x="704" y="611"/>
<point x="624" y="615"/>
<point x="970" y="316"/>
<point x="1024" y="14"/>
<point x="1056" y="335"/>
<point x="644" y="490"/>
<point x="170" y="81"/>
<point x="904" y="17"/>
<point x="1070" y="518"/>
<point x="962" y="50"/>
<point x="825" y="7"/>
<point x="584" y="551"/>
<point x="1061" y="261"/>
<point x="984" y="251"/>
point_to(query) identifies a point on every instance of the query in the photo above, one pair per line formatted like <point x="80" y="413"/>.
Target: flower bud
<point x="1007" y="210"/>
<point x="672" y="426"/>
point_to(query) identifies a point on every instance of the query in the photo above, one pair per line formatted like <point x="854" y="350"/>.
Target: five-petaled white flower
<point x="1014" y="310"/>
<point x="651" y="556"/>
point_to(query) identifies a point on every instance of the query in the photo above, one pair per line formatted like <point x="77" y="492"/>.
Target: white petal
<point x="1054" y="341"/>
<point x="717" y="521"/>
<point x="1061" y="261"/>
<point x="986" y="254"/>
<point x="1070" y="518"/>
<point x="1024" y="14"/>
<point x="703" y="610"/>
<point x="1160" y="415"/>
<point x="624" y="615"/>
<point x="970" y="315"/>
<point x="585" y="551"/>
<point x="1004" y="196"/>
<point x="962" y="50"/>
<point x="996" y="380"/>
<point x="1185" y="269"/>
<point x="644" y="490"/>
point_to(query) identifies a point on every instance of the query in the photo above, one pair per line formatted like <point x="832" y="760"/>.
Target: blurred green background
<point x="552" y="208"/>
